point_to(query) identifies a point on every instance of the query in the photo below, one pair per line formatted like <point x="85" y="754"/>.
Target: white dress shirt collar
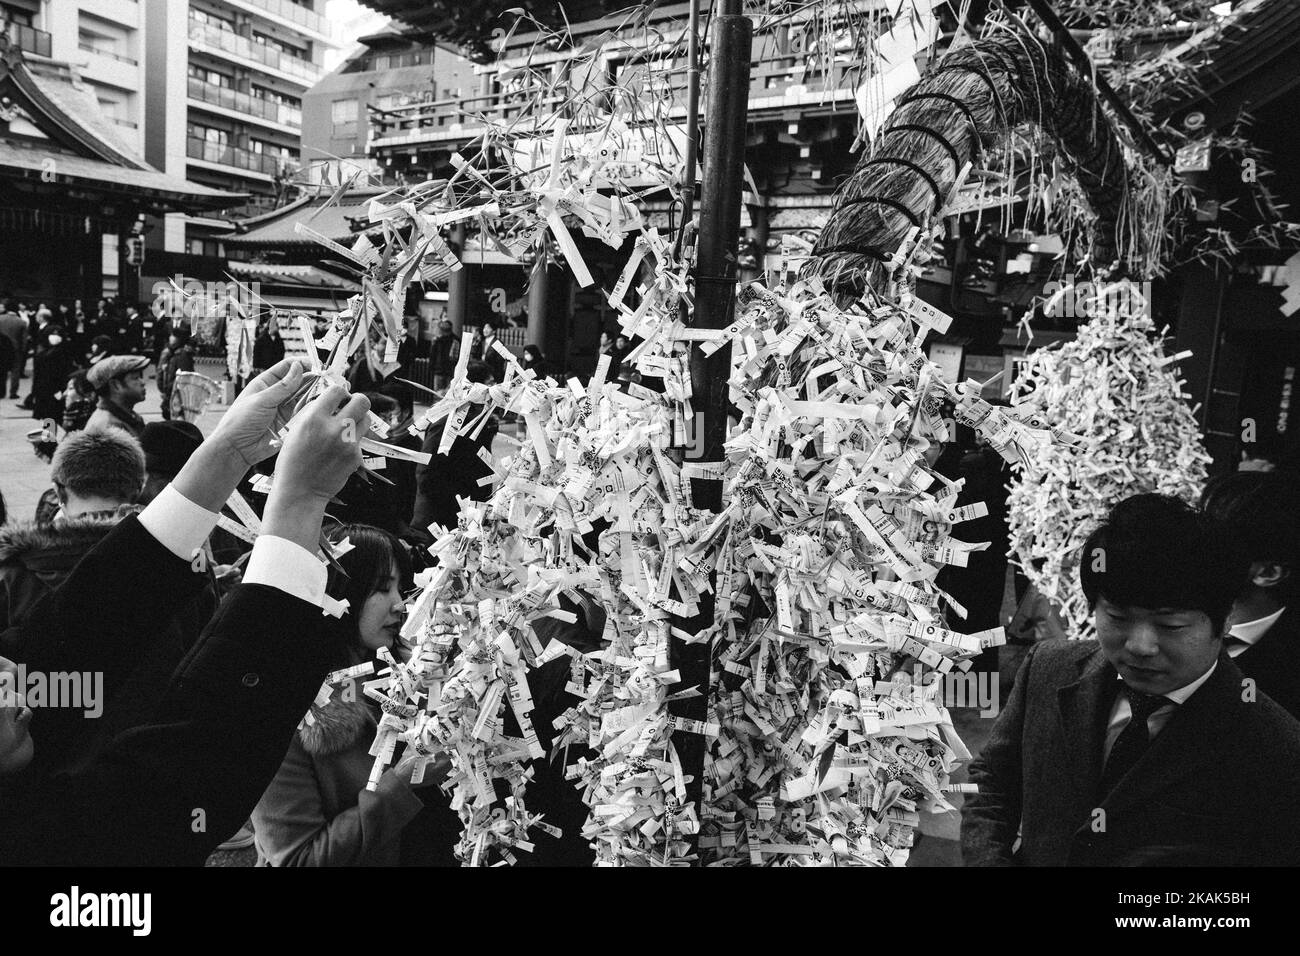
<point x="1249" y="632"/>
<point x="1181" y="694"/>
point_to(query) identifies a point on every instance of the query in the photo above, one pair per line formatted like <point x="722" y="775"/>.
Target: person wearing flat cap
<point x="119" y="383"/>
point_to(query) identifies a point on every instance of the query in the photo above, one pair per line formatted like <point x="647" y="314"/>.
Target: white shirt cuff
<point x="280" y="563"/>
<point x="177" y="523"/>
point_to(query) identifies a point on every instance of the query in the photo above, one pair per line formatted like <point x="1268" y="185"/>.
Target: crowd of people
<point x="85" y="369"/>
<point x="1172" y="739"/>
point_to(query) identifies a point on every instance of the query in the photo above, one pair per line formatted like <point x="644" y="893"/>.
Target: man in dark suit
<point x="168" y="790"/>
<point x="1146" y="745"/>
<point x="1262" y="509"/>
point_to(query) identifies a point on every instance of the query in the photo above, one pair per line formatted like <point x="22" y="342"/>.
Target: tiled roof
<point x="1243" y="63"/>
<point x="335" y="222"/>
<point x="83" y="145"/>
<point x="108" y="175"/>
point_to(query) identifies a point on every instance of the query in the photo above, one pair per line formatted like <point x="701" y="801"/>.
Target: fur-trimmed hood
<point x="340" y="724"/>
<point x="56" y="547"/>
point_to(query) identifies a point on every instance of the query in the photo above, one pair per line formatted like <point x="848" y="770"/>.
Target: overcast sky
<point x="350" y="20"/>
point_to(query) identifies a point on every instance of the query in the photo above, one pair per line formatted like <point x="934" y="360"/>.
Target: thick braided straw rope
<point x="973" y="96"/>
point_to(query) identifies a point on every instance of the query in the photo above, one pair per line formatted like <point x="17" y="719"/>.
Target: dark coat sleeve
<point x="169" y="792"/>
<point x="990" y="820"/>
<point x="100" y="620"/>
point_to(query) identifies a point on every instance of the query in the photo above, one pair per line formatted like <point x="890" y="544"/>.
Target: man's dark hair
<point x="100" y="464"/>
<point x="1157" y="551"/>
<point x="1261" y="510"/>
<point x="478" y="372"/>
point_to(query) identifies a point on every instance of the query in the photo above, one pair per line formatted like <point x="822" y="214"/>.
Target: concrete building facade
<point x="394" y="68"/>
<point x="225" y="80"/>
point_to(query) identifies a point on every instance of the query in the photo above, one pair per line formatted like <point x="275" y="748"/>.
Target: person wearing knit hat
<point x="167" y="447"/>
<point x="119" y="382"/>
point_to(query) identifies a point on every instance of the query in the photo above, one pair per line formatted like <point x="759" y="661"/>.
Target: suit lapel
<point x="1199" y="734"/>
<point x="1084" y="708"/>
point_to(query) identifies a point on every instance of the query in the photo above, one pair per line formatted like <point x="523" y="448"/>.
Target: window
<point x="209" y="134"/>
<point x="301" y="53"/>
<point x="205" y="247"/>
<point x="263" y="148"/>
<point x="211" y="19"/>
<point x="14" y="15"/>
<point x="210" y="76"/>
<point x="272" y="96"/>
<point x="344" y="115"/>
<point x="344" y="111"/>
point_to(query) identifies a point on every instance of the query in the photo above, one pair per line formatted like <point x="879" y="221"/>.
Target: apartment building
<point x="224" y="81"/>
<point x="206" y="90"/>
<point x="392" y="68"/>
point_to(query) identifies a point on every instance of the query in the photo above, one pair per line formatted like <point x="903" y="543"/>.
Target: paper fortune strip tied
<point x="1120" y="395"/>
<point x="826" y="728"/>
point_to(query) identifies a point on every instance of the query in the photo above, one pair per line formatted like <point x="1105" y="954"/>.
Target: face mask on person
<point x="55" y="339"/>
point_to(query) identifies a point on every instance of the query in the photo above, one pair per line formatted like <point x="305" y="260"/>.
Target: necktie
<point x="1133" y="740"/>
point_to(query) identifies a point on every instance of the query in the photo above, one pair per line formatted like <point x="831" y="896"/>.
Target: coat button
<point x="251" y="680"/>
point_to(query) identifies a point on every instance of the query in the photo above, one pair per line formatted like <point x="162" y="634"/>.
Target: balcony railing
<point x="244" y="103"/>
<point x="196" y="148"/>
<point x="774" y="79"/>
<point x="232" y="42"/>
<point x="29" y="39"/>
<point x="255" y="206"/>
<point x="295" y="13"/>
<point x="100" y="51"/>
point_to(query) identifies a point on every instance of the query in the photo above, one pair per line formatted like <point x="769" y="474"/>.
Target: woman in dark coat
<point x="52" y="365"/>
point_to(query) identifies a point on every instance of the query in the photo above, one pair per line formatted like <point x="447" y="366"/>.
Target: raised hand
<point x="322" y="449"/>
<point x="265" y="404"/>
<point x="242" y="438"/>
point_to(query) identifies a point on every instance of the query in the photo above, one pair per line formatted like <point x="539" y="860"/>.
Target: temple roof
<point x="341" y="221"/>
<point x="53" y="134"/>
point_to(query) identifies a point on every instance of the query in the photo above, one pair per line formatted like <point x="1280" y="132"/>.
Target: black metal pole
<point x="715" y="281"/>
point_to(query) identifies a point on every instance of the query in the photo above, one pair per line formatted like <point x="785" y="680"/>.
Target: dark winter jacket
<point x="50" y="370"/>
<point x="169" y="791"/>
<point x="37" y="558"/>
<point x="443" y="352"/>
<point x="170" y="362"/>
